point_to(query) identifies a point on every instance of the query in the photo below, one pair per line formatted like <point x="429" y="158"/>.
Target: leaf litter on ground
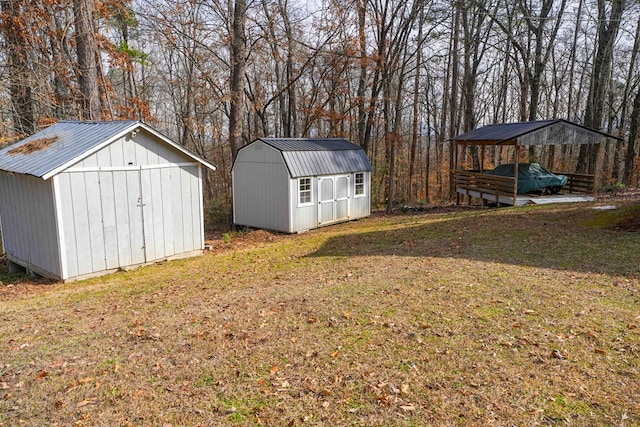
<point x="507" y="316"/>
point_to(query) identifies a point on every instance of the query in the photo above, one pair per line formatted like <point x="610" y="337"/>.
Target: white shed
<point x="81" y="199"/>
<point x="293" y="185"/>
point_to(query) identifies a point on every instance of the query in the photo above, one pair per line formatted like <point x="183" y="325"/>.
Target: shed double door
<point x="150" y="222"/>
<point x="333" y="199"/>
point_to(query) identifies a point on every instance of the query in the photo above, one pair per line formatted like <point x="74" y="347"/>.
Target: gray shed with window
<point x="80" y="199"/>
<point x="293" y="185"/>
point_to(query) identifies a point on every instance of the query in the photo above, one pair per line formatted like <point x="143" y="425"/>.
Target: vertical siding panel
<point x="68" y="223"/>
<point x="90" y="161"/>
<point x="195" y="209"/>
<point x="52" y="229"/>
<point x="116" y="157"/>
<point x="157" y="213"/>
<point x="122" y="220"/>
<point x="36" y="231"/>
<point x="142" y="153"/>
<point x="59" y="227"/>
<point x="81" y="219"/>
<point x="177" y="203"/>
<point x="103" y="157"/>
<point x="95" y="221"/>
<point x="167" y="210"/>
<point x="4" y="212"/>
<point x="29" y="233"/>
<point x="187" y="203"/>
<point x="109" y="225"/>
<point x="167" y="154"/>
<point x="147" y="215"/>
<point x="200" y="208"/>
<point x="152" y="150"/>
<point x="40" y="245"/>
<point x="129" y="152"/>
<point x="135" y="212"/>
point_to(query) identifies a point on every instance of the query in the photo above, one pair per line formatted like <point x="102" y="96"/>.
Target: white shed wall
<point x="142" y="150"/>
<point x="361" y="205"/>
<point x="307" y="217"/>
<point x="130" y="203"/>
<point x="303" y="217"/>
<point x="261" y="189"/>
<point x="29" y="230"/>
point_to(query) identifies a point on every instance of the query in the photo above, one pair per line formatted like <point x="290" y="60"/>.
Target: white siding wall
<point x="28" y="220"/>
<point x="303" y="217"/>
<point x="306" y="217"/>
<point x="361" y="205"/>
<point x="261" y="189"/>
<point x="146" y="207"/>
<point x="144" y="150"/>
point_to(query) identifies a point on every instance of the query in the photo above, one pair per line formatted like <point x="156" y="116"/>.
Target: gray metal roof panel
<point x="503" y="132"/>
<point x="318" y="163"/>
<point x="67" y="141"/>
<point x="310" y="144"/>
<point x="63" y="142"/>
<point x="508" y="131"/>
<point x="318" y="156"/>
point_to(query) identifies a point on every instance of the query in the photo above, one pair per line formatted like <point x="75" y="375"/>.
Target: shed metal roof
<point x="318" y="157"/>
<point x="67" y="142"/>
<point x="502" y="133"/>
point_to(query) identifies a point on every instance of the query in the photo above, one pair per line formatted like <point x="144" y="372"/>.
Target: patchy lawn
<point x="526" y="316"/>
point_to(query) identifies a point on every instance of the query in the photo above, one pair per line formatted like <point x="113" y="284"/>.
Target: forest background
<point x="398" y="77"/>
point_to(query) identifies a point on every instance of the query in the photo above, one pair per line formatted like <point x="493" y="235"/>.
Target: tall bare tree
<point x="87" y="51"/>
<point x="16" y="44"/>
<point x="238" y="63"/>
<point x="608" y="27"/>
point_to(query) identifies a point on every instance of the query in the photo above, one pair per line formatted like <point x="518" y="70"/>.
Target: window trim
<point x="308" y="190"/>
<point x="356" y="184"/>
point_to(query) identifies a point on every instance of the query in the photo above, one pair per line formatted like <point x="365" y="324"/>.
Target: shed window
<point x="304" y="185"/>
<point x="359" y="184"/>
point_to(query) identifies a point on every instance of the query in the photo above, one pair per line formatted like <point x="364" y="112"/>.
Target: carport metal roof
<point x="542" y="132"/>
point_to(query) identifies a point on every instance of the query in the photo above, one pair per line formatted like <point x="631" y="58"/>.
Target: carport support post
<point x="515" y="174"/>
<point x="452" y="185"/>
<point x="596" y="170"/>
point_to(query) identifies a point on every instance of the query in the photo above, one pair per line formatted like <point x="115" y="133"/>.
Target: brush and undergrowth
<point x="525" y="316"/>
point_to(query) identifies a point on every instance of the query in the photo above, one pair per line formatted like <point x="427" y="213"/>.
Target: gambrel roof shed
<point x="309" y="157"/>
<point x="296" y="184"/>
<point x="83" y="198"/>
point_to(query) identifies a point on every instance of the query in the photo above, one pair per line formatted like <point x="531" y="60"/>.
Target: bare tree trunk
<point x="634" y="127"/>
<point x="416" y="122"/>
<point x="87" y="51"/>
<point x="238" y="66"/>
<point x="625" y="102"/>
<point x="290" y="119"/>
<point x="454" y="97"/>
<point x="594" y="112"/>
<point x="18" y="67"/>
<point x="475" y="38"/>
<point x="572" y="66"/>
<point x="362" y="78"/>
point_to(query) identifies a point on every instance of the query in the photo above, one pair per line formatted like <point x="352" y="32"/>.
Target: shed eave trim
<point x="118" y="135"/>
<point x="177" y="146"/>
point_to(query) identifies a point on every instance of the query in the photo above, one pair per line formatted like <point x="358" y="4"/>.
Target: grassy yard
<point x="508" y="317"/>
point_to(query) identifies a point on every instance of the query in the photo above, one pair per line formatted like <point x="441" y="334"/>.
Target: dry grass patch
<point x="511" y="317"/>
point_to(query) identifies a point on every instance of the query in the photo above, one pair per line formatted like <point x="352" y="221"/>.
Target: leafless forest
<point x="398" y="77"/>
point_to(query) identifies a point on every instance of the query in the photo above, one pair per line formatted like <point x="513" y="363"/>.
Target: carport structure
<point x="503" y="190"/>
